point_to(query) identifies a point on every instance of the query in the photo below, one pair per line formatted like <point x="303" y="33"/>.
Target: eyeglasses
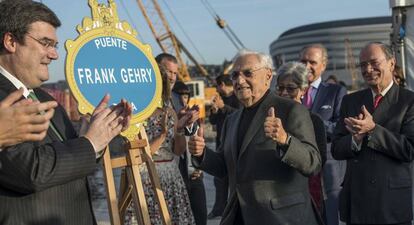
<point x="247" y="73"/>
<point x="47" y="43"/>
<point x="375" y="63"/>
<point x="289" y="89"/>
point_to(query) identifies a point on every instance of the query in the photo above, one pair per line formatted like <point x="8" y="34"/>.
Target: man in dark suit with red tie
<point x="375" y="134"/>
<point x="44" y="182"/>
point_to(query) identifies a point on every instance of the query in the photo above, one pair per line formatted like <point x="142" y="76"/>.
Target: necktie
<point x="308" y="97"/>
<point x="33" y="96"/>
<point x="377" y="100"/>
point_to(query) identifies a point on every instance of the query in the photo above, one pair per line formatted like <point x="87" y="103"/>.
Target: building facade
<point x="343" y="40"/>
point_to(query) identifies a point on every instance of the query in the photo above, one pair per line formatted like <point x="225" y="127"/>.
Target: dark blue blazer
<point x="327" y="103"/>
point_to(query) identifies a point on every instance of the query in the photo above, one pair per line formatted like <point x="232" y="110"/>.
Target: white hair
<point x="264" y="59"/>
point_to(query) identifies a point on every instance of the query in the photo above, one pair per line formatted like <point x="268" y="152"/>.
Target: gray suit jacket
<point x="269" y="188"/>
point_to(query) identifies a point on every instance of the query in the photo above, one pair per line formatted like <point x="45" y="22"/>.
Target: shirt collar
<point x="16" y="83"/>
<point x="315" y="84"/>
<point x="383" y="92"/>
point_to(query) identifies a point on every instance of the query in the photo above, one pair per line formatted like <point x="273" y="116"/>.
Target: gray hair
<point x="386" y="49"/>
<point x="319" y="46"/>
<point x="295" y="70"/>
<point x="264" y="59"/>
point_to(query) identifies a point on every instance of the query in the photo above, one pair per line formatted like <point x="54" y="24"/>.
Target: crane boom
<point x="165" y="38"/>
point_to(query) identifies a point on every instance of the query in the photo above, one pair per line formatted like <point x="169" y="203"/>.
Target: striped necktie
<point x="33" y="96"/>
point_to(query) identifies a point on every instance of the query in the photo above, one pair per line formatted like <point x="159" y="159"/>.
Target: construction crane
<point x="350" y="64"/>
<point x="224" y="26"/>
<point x="165" y="38"/>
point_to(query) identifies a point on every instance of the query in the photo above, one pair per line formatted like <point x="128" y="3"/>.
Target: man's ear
<point x="9" y="42"/>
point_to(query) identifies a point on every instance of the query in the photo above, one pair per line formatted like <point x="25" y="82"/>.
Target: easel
<point x="137" y="153"/>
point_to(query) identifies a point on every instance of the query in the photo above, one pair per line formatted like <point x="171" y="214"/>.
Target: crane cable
<point x="185" y="34"/>
<point x="222" y="24"/>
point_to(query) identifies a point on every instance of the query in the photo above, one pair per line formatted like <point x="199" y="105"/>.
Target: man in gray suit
<point x="267" y="151"/>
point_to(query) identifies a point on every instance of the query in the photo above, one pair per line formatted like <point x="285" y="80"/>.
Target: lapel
<point x="382" y="112"/>
<point x="6" y="85"/>
<point x="233" y="130"/>
<point x="254" y="126"/>
<point x="321" y="93"/>
<point x="367" y="100"/>
<point x="56" y="120"/>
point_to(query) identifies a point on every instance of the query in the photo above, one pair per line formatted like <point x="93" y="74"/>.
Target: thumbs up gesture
<point x="196" y="143"/>
<point x="273" y="127"/>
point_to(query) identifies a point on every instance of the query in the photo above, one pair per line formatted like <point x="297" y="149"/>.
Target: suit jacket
<point x="268" y="185"/>
<point x="327" y="104"/>
<point x="45" y="182"/>
<point x="377" y="184"/>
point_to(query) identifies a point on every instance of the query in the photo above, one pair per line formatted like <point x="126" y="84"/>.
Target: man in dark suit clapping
<point x="44" y="182"/>
<point x="375" y="134"/>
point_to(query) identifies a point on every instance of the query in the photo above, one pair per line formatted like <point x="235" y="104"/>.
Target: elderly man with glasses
<point x="267" y="150"/>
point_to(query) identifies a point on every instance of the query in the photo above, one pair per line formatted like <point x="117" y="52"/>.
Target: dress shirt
<point x="357" y="147"/>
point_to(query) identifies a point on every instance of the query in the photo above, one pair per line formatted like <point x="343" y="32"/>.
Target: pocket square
<point x="326" y="107"/>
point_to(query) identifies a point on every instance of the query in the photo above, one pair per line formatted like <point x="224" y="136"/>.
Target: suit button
<point x="373" y="181"/>
<point x="355" y="160"/>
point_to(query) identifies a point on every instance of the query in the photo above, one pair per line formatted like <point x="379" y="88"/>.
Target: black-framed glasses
<point x="289" y="89"/>
<point x="45" y="42"/>
<point x="375" y="63"/>
<point x="246" y="72"/>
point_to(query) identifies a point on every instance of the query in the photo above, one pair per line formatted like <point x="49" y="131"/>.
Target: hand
<point x="106" y="122"/>
<point x="214" y="105"/>
<point x="219" y="102"/>
<point x="196" y="174"/>
<point x="362" y="124"/>
<point x="194" y="116"/>
<point x="273" y="128"/>
<point x="196" y="143"/>
<point x="23" y="120"/>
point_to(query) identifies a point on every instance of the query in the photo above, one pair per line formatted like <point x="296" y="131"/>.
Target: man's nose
<point x="53" y="54"/>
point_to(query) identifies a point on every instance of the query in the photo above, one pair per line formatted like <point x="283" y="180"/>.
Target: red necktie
<point x="308" y="98"/>
<point x="377" y="100"/>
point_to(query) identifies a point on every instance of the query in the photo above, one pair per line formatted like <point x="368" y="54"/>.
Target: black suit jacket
<point x="44" y="182"/>
<point x="269" y="188"/>
<point x="377" y="183"/>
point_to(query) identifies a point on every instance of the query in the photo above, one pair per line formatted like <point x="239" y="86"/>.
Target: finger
<point x="23" y="102"/>
<point x="200" y="132"/>
<point x="271" y="112"/>
<point x="12" y="98"/>
<point x="365" y="111"/>
<point x="103" y="104"/>
<point x="42" y="107"/>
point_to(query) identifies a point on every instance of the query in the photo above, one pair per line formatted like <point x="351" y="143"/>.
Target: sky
<point x="257" y="23"/>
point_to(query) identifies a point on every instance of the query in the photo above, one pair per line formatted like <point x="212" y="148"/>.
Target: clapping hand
<point x="360" y="125"/>
<point x="108" y="122"/>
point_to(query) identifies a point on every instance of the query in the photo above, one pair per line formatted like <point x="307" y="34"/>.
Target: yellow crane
<point x="165" y="38"/>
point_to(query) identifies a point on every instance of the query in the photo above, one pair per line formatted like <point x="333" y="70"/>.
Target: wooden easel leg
<point x="110" y="190"/>
<point x="155" y="180"/>
<point x="138" y="195"/>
